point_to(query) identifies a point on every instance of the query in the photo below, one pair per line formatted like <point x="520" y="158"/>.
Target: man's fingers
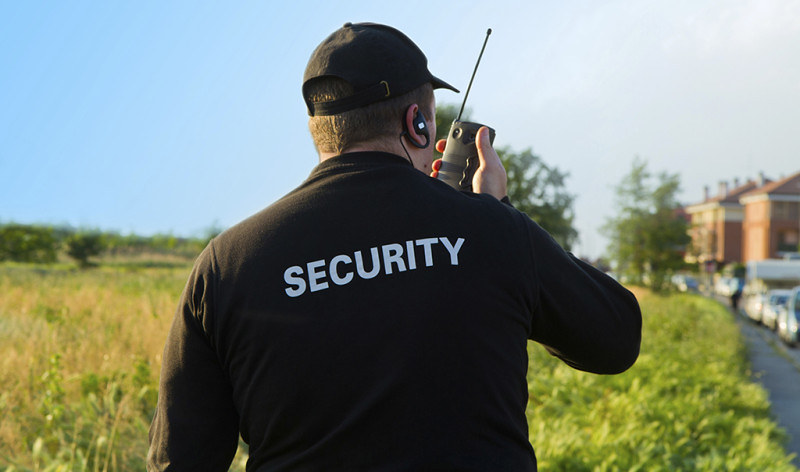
<point x="440" y="145"/>
<point x="435" y="166"/>
<point x="487" y="156"/>
<point x="491" y="175"/>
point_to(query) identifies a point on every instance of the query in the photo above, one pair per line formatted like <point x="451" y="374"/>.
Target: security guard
<point x="375" y="318"/>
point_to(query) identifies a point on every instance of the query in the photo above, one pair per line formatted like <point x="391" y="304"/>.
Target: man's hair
<point x="378" y="122"/>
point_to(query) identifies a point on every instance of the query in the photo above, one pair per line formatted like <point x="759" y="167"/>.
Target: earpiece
<point x="421" y="128"/>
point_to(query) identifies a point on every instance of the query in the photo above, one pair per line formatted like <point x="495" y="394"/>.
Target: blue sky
<point x="172" y="116"/>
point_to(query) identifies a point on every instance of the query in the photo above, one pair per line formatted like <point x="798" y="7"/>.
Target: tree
<point x="533" y="187"/>
<point x="83" y="245"/>
<point x="538" y="190"/>
<point x="648" y="236"/>
<point x="27" y="243"/>
<point x="445" y="115"/>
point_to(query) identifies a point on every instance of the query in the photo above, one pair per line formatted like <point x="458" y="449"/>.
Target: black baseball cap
<point x="378" y="61"/>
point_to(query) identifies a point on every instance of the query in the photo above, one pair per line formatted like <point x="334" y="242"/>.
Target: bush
<point x="26" y="243"/>
<point x="687" y="404"/>
<point x="82" y="246"/>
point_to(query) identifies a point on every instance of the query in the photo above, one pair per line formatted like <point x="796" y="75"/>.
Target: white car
<point x="789" y="319"/>
<point x="754" y="306"/>
<point x="775" y="302"/>
<point x="723" y="286"/>
<point x="685" y="283"/>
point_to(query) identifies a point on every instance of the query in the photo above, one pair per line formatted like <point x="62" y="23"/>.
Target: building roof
<point x="734" y="194"/>
<point x="731" y="197"/>
<point x="786" y="186"/>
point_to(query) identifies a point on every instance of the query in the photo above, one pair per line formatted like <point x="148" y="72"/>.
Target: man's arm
<point x="584" y="317"/>
<point x="195" y="426"/>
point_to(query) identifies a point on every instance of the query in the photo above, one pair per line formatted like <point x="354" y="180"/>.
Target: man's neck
<point x="324" y="156"/>
<point x="397" y="148"/>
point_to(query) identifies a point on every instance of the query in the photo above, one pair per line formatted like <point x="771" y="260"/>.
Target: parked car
<point x="789" y="319"/>
<point x="723" y="286"/>
<point x="774" y="304"/>
<point x="753" y="305"/>
<point x="685" y="283"/>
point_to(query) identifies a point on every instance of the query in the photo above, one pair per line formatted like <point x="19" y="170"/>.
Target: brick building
<point x="771" y="224"/>
<point x="716" y="224"/>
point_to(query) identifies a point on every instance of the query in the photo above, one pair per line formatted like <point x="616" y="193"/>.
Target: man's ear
<point x="416" y="128"/>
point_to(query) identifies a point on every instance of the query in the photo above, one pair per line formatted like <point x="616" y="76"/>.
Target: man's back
<point x="375" y="319"/>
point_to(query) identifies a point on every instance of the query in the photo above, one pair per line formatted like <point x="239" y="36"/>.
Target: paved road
<point x="777" y="368"/>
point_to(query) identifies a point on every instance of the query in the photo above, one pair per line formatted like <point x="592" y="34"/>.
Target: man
<point x="375" y="318"/>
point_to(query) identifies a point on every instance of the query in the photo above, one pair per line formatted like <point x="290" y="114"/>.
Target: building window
<point x="788" y="241"/>
<point x="787" y="211"/>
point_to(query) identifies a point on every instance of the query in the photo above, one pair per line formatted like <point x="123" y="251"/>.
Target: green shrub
<point x="82" y="246"/>
<point x="27" y="243"/>
<point x="687" y="404"/>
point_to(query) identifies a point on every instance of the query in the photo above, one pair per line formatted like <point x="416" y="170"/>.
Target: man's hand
<point x="490" y="177"/>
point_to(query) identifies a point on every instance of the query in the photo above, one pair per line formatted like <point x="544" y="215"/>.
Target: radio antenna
<point x="466" y="94"/>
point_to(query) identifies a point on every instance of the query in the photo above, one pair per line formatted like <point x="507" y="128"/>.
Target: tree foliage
<point x="539" y="191"/>
<point x="83" y="245"/>
<point x="446" y="113"/>
<point x="648" y="236"/>
<point x="47" y="244"/>
<point x="533" y="187"/>
<point x="27" y="243"/>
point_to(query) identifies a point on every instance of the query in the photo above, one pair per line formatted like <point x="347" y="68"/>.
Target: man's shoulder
<point x="253" y="228"/>
<point x="323" y="206"/>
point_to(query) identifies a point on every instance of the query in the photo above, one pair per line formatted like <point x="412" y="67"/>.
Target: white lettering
<point x="395" y="257"/>
<point x="290" y="276"/>
<point x="453" y="250"/>
<point x="334" y="272"/>
<point x="314" y="276"/>
<point x="412" y="258"/>
<point x="376" y="264"/>
<point x="393" y="253"/>
<point x="427" y="243"/>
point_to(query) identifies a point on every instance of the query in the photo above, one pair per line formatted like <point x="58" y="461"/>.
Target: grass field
<point x="80" y="355"/>
<point x="687" y="404"/>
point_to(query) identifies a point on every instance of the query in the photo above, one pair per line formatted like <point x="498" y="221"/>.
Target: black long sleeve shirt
<point x="376" y="319"/>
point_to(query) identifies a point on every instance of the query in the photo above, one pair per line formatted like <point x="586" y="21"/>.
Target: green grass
<point x="80" y="354"/>
<point x="687" y="404"/>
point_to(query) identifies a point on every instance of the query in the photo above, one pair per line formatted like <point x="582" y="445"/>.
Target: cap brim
<point x="439" y="83"/>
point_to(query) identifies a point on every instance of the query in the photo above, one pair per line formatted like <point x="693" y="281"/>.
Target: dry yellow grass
<point x="639" y="292"/>
<point x="75" y="341"/>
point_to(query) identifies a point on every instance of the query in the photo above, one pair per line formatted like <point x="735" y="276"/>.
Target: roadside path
<point x="777" y="368"/>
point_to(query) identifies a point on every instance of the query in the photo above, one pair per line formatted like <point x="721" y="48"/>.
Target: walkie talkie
<point x="460" y="158"/>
